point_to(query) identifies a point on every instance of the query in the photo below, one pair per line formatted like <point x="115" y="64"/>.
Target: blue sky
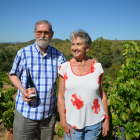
<point x="109" y="19"/>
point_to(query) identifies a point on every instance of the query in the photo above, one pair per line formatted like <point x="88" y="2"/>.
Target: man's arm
<point x="16" y="82"/>
<point x="93" y="59"/>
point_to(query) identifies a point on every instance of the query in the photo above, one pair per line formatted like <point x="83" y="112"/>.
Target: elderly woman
<point x="82" y="102"/>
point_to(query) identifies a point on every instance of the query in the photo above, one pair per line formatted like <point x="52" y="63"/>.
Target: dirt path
<point x="3" y="132"/>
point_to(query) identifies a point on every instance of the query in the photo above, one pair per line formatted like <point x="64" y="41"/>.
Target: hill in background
<point x="106" y="51"/>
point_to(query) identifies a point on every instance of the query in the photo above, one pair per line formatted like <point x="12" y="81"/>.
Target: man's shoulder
<point x="26" y="48"/>
<point x="55" y="53"/>
<point x="53" y="49"/>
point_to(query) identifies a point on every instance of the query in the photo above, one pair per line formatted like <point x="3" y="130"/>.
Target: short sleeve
<point x="17" y="64"/>
<point x="62" y="69"/>
<point x="100" y="68"/>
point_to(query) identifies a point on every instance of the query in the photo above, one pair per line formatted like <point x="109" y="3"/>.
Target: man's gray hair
<point x="45" y="22"/>
<point x="83" y="35"/>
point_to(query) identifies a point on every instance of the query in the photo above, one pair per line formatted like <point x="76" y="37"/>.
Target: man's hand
<point x="94" y="60"/>
<point x="105" y="127"/>
<point x="67" y="129"/>
<point x="26" y="97"/>
<point x="15" y="80"/>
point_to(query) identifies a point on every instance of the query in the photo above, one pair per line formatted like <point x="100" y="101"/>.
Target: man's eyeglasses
<point x="39" y="33"/>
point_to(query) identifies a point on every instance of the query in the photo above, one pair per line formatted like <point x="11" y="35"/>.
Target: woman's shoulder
<point x="65" y="64"/>
<point x="98" y="64"/>
<point x="99" y="67"/>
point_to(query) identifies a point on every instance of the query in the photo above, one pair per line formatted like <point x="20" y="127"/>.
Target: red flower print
<point x="99" y="79"/>
<point x="92" y="69"/>
<point x="96" y="106"/>
<point x="74" y="127"/>
<point x="78" y="103"/>
<point x="60" y="67"/>
<point x="65" y="77"/>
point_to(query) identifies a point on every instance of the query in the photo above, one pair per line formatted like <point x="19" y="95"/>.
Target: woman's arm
<point x="105" y="127"/>
<point x="61" y="108"/>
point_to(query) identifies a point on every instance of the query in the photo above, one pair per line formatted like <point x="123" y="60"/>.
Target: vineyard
<point x="124" y="95"/>
<point x="121" y="83"/>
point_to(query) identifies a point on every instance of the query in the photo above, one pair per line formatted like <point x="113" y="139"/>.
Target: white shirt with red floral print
<point x="83" y="105"/>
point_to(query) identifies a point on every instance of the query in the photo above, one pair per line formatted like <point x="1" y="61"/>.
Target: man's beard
<point x="42" y="42"/>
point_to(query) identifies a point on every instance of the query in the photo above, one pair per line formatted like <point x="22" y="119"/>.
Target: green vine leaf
<point x="138" y="107"/>
<point x="128" y="136"/>
<point x="135" y="123"/>
<point x="119" y="133"/>
<point x="124" y="116"/>
<point x="133" y="105"/>
<point x="136" y="134"/>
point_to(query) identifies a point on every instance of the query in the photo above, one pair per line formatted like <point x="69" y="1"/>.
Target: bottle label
<point x="31" y="92"/>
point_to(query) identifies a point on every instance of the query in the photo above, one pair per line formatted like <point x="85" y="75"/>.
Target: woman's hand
<point x="105" y="127"/>
<point x="67" y="129"/>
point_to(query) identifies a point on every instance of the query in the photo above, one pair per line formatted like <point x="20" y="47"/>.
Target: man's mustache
<point x="43" y="39"/>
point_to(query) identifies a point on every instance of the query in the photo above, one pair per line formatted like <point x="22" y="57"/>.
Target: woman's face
<point x="78" y="48"/>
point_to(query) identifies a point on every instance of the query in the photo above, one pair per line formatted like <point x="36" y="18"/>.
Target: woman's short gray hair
<point x="83" y="35"/>
<point x="45" y="22"/>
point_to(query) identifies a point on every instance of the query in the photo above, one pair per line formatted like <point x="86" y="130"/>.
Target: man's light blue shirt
<point x="43" y="70"/>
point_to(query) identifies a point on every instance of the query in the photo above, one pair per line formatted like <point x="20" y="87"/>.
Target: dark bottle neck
<point x="28" y="73"/>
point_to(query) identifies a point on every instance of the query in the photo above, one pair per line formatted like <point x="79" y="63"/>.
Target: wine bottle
<point x="30" y="88"/>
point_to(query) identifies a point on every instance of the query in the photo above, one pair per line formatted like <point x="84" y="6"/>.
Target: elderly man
<point x="43" y="62"/>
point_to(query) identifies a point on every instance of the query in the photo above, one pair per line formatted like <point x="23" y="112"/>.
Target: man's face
<point x="43" y="35"/>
